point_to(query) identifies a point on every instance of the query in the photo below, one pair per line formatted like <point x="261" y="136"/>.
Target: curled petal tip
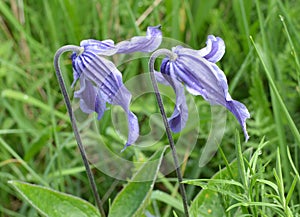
<point x="154" y="28"/>
<point x="246" y="133"/>
<point x="125" y="147"/>
<point x="158" y="27"/>
<point x="214" y="50"/>
<point x="241" y="113"/>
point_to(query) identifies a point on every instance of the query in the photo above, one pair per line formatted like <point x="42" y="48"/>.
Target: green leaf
<point x="134" y="197"/>
<point x="167" y="199"/>
<point x="281" y="104"/>
<point x="53" y="203"/>
<point x="207" y="203"/>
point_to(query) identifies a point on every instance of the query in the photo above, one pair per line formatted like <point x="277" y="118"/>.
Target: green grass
<point x="263" y="70"/>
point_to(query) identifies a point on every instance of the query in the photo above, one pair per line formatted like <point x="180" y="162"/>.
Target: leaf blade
<point x="133" y="198"/>
<point x="58" y="204"/>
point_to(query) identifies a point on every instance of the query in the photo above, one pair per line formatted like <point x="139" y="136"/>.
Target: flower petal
<point x="241" y="113"/>
<point x="90" y="98"/>
<point x="106" y="47"/>
<point x="76" y="71"/>
<point x="133" y="129"/>
<point x="214" y="50"/>
<point x="147" y="43"/>
<point x="161" y="78"/>
<point x="178" y="119"/>
<point x="204" y="78"/>
<point x="108" y="79"/>
<point x="123" y="97"/>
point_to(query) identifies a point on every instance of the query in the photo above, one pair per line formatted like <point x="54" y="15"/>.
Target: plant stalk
<point x="166" y="123"/>
<point x="63" y="88"/>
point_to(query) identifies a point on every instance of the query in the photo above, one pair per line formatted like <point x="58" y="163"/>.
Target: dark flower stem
<point x="166" y="123"/>
<point x="62" y="85"/>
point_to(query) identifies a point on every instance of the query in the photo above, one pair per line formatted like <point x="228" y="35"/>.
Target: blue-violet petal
<point x="214" y="50"/>
<point x="147" y="43"/>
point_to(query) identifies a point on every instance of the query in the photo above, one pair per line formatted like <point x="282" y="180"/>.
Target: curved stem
<point x="62" y="85"/>
<point x="172" y="56"/>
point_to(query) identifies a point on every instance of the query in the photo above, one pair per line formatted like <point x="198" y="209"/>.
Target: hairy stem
<point x="166" y="123"/>
<point x="62" y="85"/>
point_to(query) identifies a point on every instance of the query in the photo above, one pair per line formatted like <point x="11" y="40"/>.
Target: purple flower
<point x="101" y="81"/>
<point x="197" y="70"/>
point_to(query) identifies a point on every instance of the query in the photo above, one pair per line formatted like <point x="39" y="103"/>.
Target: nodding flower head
<point x="198" y="72"/>
<point x="101" y="81"/>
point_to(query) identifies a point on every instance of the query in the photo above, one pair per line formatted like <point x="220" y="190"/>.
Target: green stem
<point x="62" y="85"/>
<point x="166" y="123"/>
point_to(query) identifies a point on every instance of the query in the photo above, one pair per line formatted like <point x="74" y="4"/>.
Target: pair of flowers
<point x="101" y="82"/>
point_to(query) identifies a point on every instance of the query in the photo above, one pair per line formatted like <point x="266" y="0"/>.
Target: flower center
<point x="173" y="57"/>
<point x="80" y="51"/>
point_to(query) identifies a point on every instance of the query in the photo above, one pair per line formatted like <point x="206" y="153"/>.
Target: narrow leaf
<point x="285" y="112"/>
<point x="167" y="199"/>
<point x="209" y="201"/>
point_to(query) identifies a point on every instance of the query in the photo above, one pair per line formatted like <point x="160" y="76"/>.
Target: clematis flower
<point x="100" y="80"/>
<point x="197" y="70"/>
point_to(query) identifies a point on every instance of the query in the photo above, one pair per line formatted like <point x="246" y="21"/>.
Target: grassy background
<point x="36" y="141"/>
